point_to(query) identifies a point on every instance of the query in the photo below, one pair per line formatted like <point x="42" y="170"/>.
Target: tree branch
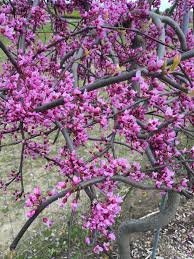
<point x="108" y="81"/>
<point x="81" y="186"/>
<point x="157" y="21"/>
<point x="10" y="57"/>
<point x="96" y="85"/>
<point x="144" y="224"/>
<point x="177" y="29"/>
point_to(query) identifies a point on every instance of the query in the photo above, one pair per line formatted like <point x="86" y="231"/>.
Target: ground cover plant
<point x="100" y="74"/>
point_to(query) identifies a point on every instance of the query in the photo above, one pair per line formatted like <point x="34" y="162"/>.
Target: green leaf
<point x="176" y="62"/>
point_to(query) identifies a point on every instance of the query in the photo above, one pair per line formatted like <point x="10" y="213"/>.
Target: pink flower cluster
<point x="102" y="217"/>
<point x="34" y="200"/>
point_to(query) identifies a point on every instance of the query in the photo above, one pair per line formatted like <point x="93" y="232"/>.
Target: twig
<point x="157" y="235"/>
<point x="10" y="57"/>
<point x="66" y="136"/>
<point x="173" y="84"/>
<point x="26" y="139"/>
<point x="22" y="160"/>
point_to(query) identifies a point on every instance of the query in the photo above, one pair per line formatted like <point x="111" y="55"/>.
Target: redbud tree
<point x="121" y="75"/>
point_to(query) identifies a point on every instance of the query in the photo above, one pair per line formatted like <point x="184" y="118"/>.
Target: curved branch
<point x="146" y="223"/>
<point x="66" y="136"/>
<point x="81" y="186"/>
<point x="186" y="55"/>
<point x="177" y="29"/>
<point x="170" y="11"/>
<point x="157" y="21"/>
<point x="66" y="57"/>
<point x="75" y="66"/>
<point x="31" y="220"/>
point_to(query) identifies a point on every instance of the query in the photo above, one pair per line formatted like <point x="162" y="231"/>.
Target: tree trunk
<point x="149" y="222"/>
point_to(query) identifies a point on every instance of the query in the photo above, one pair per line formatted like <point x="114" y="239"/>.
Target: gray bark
<point x="149" y="222"/>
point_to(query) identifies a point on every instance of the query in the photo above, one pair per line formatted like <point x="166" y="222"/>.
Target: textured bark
<point x="149" y="222"/>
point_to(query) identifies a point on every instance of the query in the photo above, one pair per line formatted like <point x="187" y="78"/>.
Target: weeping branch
<point x="80" y="187"/>
<point x="71" y="148"/>
<point x="169" y="21"/>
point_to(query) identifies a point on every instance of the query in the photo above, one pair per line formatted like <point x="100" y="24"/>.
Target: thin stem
<point x="10" y="57"/>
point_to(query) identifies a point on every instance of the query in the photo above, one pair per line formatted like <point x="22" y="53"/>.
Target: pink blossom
<point x="169" y="112"/>
<point x="37" y="191"/>
<point x="29" y="203"/>
<point x="98" y="249"/>
<point x="33" y="198"/>
<point x="112" y="236"/>
<point x="87" y="240"/>
<point x="88" y="100"/>
<point x="106" y="246"/>
<point x="48" y="222"/>
<point x="74" y="205"/>
<point x="30" y="213"/>
<point x="184" y="182"/>
<point x="61" y="185"/>
<point x="76" y="180"/>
